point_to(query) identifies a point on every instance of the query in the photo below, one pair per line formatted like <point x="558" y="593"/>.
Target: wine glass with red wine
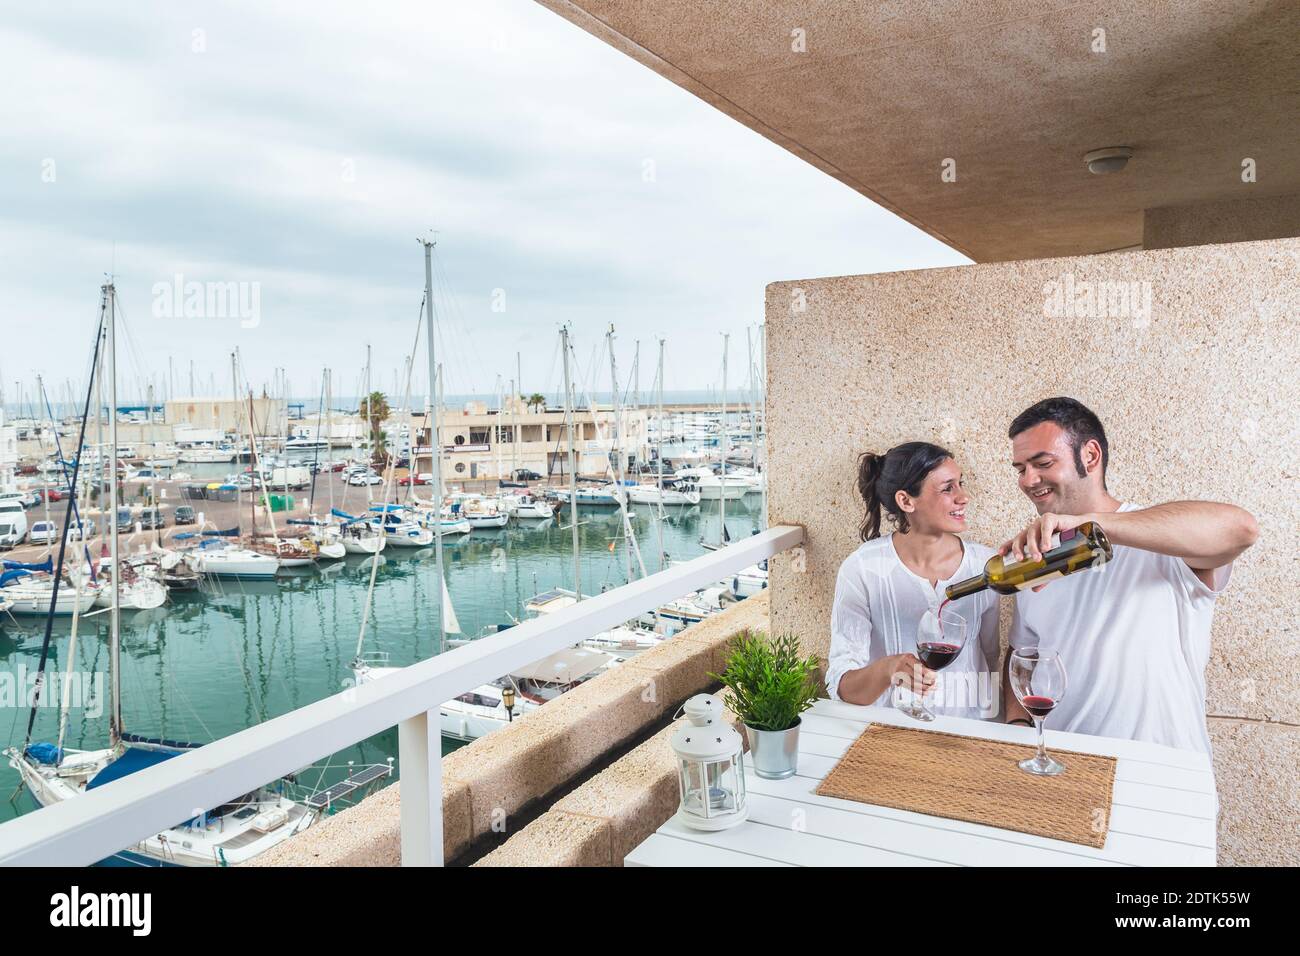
<point x="1038" y="681"/>
<point x="940" y="637"/>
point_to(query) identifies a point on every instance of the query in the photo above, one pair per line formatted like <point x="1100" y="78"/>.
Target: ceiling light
<point x="1109" y="160"/>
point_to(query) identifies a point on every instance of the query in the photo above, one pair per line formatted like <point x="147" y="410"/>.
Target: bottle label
<point x="1034" y="582"/>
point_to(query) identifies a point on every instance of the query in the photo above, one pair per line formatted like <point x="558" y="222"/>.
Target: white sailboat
<point x="207" y="454"/>
<point x="220" y="559"/>
<point x="398" y="529"/>
<point x="134" y="593"/>
<point x="647" y="494"/>
<point x="526" y="506"/>
<point x="31" y="596"/>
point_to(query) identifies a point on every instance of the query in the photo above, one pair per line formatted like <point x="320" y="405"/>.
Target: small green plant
<point x="770" y="684"/>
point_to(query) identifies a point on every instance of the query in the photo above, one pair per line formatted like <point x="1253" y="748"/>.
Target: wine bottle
<point x="1084" y="547"/>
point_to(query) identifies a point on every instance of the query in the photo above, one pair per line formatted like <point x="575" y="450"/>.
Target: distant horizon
<point x="350" y="402"/>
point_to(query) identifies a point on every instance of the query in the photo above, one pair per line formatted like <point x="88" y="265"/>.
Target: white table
<point x="1163" y="810"/>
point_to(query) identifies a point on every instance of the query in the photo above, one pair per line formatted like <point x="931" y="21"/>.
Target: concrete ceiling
<point x="1010" y="89"/>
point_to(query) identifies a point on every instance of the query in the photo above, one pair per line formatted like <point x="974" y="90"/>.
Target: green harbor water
<point x="211" y="663"/>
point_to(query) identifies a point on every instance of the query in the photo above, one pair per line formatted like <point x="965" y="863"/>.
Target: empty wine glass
<point x="940" y="637"/>
<point x="1038" y="681"/>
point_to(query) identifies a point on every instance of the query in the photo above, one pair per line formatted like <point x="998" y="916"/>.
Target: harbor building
<point x="227" y="415"/>
<point x="8" y="452"/>
<point x="479" y="442"/>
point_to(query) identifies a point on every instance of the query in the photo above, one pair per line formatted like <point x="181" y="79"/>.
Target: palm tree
<point x="375" y="408"/>
<point x="536" y="400"/>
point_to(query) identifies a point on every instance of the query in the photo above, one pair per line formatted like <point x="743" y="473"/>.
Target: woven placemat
<point x="976" y="780"/>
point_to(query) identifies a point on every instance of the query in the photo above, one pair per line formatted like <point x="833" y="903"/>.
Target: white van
<point x="296" y="477"/>
<point x="13" y="525"/>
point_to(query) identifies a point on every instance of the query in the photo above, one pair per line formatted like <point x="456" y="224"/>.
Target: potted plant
<point x="770" y="686"/>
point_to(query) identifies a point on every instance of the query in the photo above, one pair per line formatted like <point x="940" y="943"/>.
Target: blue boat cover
<point x="138" y="758"/>
<point x="343" y="514"/>
<point x="8" y="576"/>
<point x="132" y="759"/>
<point x="389" y="508"/>
<point x="47" y="566"/>
<point x="44" y="753"/>
<point x="228" y="533"/>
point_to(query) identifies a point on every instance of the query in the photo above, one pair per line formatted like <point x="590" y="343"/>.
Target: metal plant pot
<point x="774" y="754"/>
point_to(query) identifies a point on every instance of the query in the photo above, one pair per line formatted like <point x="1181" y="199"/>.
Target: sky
<point x="283" y="159"/>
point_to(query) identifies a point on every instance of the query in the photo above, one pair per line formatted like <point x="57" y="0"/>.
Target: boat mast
<point x="753" y="404"/>
<point x="500" y="410"/>
<point x="115" y="610"/>
<point x="515" y="388"/>
<point x="618" y="454"/>
<point x="722" y="492"/>
<point x="153" y="470"/>
<point x="659" y="455"/>
<point x="370" y="432"/>
<point x="329" y="431"/>
<point x="98" y="372"/>
<point x="45" y="477"/>
<point x="573" y="463"/>
<point x="435" y="441"/>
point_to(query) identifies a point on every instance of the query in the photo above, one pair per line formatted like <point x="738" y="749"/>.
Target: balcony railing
<point x="104" y="821"/>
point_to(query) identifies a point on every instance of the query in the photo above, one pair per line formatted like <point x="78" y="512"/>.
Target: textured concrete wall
<point x="1239" y="220"/>
<point x="1200" y="399"/>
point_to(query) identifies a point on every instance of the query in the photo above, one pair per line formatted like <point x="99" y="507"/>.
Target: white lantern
<point x="710" y="767"/>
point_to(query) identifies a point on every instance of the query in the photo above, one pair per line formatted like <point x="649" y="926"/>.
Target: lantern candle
<point x="710" y="767"/>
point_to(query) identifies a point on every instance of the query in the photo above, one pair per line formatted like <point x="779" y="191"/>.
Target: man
<point x="1134" y="635"/>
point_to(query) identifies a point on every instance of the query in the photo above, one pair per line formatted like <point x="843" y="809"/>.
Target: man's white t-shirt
<point x="879" y="605"/>
<point x="1134" y="636"/>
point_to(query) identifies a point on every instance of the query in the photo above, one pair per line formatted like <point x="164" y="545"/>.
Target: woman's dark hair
<point x="880" y="478"/>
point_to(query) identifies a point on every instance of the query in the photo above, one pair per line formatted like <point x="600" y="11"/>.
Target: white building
<point x="8" y="453"/>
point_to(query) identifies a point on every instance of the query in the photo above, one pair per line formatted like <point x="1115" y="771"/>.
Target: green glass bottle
<point x="1084" y="547"/>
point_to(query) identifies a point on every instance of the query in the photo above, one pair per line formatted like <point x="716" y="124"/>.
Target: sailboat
<point x="29" y="589"/>
<point x="482" y="709"/>
<point x="231" y="833"/>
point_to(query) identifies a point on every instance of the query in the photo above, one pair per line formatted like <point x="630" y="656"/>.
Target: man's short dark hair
<point x="1072" y="417"/>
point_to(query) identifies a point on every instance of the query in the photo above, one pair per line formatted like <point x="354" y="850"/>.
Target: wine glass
<point x="1038" y="681"/>
<point x="940" y="637"/>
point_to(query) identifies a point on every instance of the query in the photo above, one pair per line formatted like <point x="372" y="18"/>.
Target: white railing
<point x="103" y="821"/>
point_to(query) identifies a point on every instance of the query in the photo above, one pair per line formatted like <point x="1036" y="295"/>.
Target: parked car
<point x="523" y="474"/>
<point x="84" y="531"/>
<point x="365" y="478"/>
<point x="24" y="498"/>
<point x="124" y="520"/>
<point x="43" y="532"/>
<point x="152" y="518"/>
<point x="52" y="494"/>
<point x="184" y="514"/>
<point x="423" y="478"/>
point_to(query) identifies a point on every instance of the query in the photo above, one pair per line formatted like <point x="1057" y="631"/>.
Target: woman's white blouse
<point x="880" y="603"/>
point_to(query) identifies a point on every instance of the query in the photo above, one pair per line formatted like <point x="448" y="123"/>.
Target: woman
<point x="893" y="585"/>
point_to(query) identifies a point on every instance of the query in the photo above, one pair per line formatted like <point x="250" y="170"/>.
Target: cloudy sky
<point x="302" y="150"/>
